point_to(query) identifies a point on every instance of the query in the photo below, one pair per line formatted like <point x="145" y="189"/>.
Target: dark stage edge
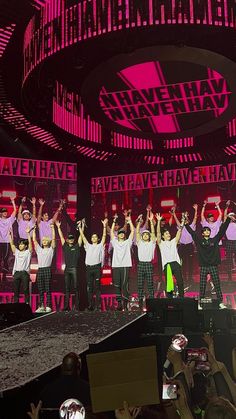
<point x="33" y="348"/>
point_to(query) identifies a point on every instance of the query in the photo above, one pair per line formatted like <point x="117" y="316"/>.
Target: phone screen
<point x="169" y="392"/>
<point x="196" y="354"/>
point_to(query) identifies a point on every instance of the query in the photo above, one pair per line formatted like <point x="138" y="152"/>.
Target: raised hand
<point x="204" y="203"/>
<point x="195" y="207"/>
<point x="104" y="222"/>
<point x="151" y="216"/>
<point x="139" y="219"/>
<point x="27" y="230"/>
<point x="33" y="200"/>
<point x="12" y="199"/>
<point x="79" y="223"/>
<point x="128" y="220"/>
<point x="52" y="226"/>
<point x="23" y="200"/>
<point x="34" y="413"/>
<point x="172" y="210"/>
<point x="217" y="203"/>
<point x="158" y="216"/>
<point x="41" y="202"/>
<point x="115" y="217"/>
<point x="58" y="224"/>
<point x="228" y="203"/>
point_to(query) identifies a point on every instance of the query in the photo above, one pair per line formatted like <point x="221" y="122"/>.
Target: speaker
<point x="218" y="320"/>
<point x="14" y="313"/>
<point x="172" y="315"/>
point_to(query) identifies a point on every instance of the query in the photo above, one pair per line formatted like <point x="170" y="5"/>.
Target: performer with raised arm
<point x="45" y="254"/>
<point x="121" y="262"/>
<point x="230" y="242"/>
<point x="170" y="257"/>
<point x="146" y="243"/>
<point x="94" y="262"/>
<point x="209" y="257"/>
<point x="21" y="266"/>
<point x="6" y="223"/>
<point x="186" y="248"/>
<point x="71" y="251"/>
<point x="25" y="219"/>
<point x="43" y="221"/>
<point x="210" y="221"/>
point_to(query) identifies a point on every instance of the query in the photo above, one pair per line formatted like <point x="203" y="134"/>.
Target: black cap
<point x="206" y="228"/>
<point x="3" y="210"/>
<point x="70" y="236"/>
<point x="121" y="231"/>
<point x="210" y="215"/>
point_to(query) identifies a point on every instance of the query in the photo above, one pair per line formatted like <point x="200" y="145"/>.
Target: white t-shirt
<point x="5" y="227"/>
<point x="94" y="254"/>
<point x="22" y="260"/>
<point x="121" y="253"/>
<point x="169" y="253"/>
<point x="45" y="229"/>
<point x="146" y="250"/>
<point x="45" y="256"/>
<point x="186" y="237"/>
<point x="23" y="225"/>
<point x="231" y="231"/>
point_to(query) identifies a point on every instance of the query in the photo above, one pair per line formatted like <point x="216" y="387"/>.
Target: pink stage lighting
<point x="167" y="203"/>
<point x="8" y="194"/>
<point x="213" y="199"/>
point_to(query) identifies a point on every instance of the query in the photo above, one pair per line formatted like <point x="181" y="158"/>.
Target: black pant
<point x="71" y="284"/>
<point x="186" y="255"/>
<point x="121" y="283"/>
<point x="93" y="274"/>
<point x="177" y="272"/>
<point x="18" y="277"/>
<point x="4" y="254"/>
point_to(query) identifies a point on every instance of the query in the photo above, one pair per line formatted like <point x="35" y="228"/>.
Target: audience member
<point x="68" y="385"/>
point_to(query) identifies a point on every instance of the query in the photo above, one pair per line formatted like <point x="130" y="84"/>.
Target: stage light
<point x="63" y="266"/>
<point x="167" y="203"/>
<point x="34" y="266"/>
<point x="71" y="198"/>
<point x="8" y="194"/>
<point x="213" y="199"/>
<point x="106" y="271"/>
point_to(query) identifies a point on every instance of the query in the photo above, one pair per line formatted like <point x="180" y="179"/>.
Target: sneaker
<point x="40" y="309"/>
<point x="48" y="310"/>
<point x="199" y="307"/>
<point x="222" y="306"/>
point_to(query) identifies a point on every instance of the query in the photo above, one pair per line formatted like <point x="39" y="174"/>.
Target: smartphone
<point x="196" y="354"/>
<point x="169" y="392"/>
<point x="202" y="366"/>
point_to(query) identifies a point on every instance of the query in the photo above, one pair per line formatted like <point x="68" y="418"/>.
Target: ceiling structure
<point x="138" y="83"/>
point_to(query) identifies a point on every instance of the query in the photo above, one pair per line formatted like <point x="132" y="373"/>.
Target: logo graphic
<point x="182" y="91"/>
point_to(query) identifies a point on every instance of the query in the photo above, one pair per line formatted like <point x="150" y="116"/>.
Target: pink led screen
<point x="162" y="91"/>
<point x="149" y="103"/>
<point x="60" y="24"/>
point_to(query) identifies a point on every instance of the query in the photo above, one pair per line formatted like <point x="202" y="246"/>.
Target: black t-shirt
<point x="71" y="254"/>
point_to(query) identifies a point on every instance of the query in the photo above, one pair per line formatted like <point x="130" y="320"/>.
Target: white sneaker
<point x="222" y="306"/>
<point x="40" y="309"/>
<point x="48" y="310"/>
<point x="200" y="307"/>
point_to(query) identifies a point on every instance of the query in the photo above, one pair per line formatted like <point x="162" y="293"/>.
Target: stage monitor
<point x="172" y="314"/>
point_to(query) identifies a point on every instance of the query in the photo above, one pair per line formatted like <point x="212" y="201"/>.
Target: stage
<point x="33" y="348"/>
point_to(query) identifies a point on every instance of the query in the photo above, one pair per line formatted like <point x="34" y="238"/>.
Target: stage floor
<point x="33" y="348"/>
